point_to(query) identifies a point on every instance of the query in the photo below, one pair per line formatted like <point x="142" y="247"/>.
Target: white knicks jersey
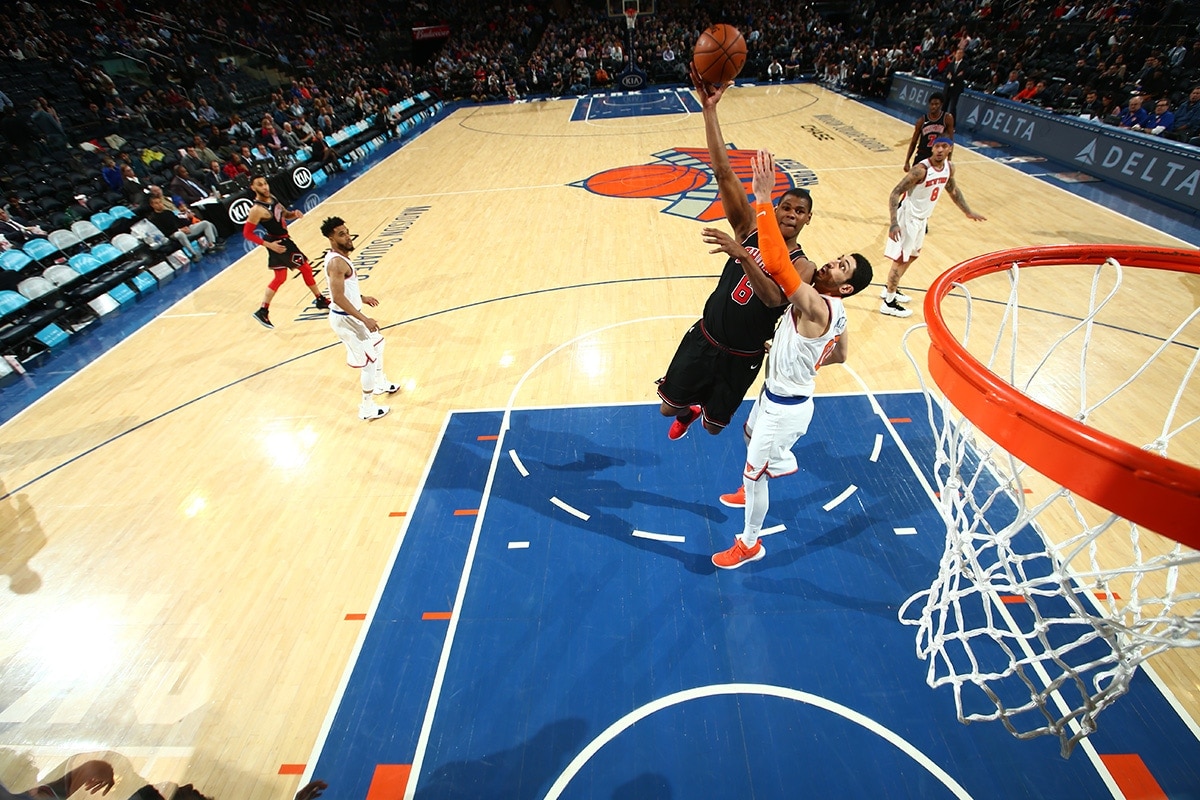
<point x="794" y="359"/>
<point x="921" y="199"/>
<point x="353" y="293"/>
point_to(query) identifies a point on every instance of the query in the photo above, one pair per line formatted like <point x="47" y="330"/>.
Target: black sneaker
<point x="894" y="309"/>
<point x="261" y="316"/>
<point x="321" y="302"/>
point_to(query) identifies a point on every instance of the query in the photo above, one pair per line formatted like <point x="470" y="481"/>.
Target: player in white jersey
<point x="360" y="333"/>
<point x="920" y="190"/>
<point x="811" y="332"/>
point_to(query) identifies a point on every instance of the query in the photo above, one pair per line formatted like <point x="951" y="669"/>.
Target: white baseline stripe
<point x="878" y="447"/>
<point x="517" y="462"/>
<point x="659" y="537"/>
<point x="841" y="498"/>
<point x="518" y="545"/>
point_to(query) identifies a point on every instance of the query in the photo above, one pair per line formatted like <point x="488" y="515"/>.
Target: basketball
<point x="719" y="54"/>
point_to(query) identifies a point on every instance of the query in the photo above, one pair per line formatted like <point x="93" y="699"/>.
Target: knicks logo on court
<point x="683" y="176"/>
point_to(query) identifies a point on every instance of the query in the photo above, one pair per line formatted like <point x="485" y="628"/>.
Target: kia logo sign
<point x="239" y="210"/>
<point x="632" y="80"/>
<point x="302" y="177"/>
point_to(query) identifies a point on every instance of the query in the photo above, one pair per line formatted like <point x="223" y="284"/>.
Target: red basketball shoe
<point x="735" y="499"/>
<point x="679" y="427"/>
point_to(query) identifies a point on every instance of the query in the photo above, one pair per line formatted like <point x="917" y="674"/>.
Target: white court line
<point x="904" y="531"/>
<point x="575" y="512"/>
<point x="660" y="537"/>
<point x="518" y="545"/>
<point x="865" y="722"/>
<point x="841" y="498"/>
<point x="772" y="530"/>
<point x="878" y="447"/>
<point x="181" y="316"/>
<point x="439" y="677"/>
<point x="517" y="462"/>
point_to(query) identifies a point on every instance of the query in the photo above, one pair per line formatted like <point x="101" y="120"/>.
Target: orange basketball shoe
<point x="735" y="499"/>
<point x="739" y="554"/>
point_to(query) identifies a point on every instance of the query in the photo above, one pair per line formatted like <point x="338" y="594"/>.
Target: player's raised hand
<point x="710" y="95"/>
<point x="763" y="185"/>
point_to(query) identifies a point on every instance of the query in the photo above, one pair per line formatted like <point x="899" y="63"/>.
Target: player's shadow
<point x="530" y="765"/>
<point x="21" y="537"/>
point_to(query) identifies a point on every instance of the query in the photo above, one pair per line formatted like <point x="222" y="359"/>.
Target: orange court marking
<point x="1011" y="598"/>
<point x="466" y="512"/>
<point x="486" y="438"/>
<point x="900" y="419"/>
<point x="1133" y="776"/>
<point x="397" y="513"/>
<point x="389" y="781"/>
<point x="436" y="615"/>
<point x="292" y="769"/>
<point x="353" y="617"/>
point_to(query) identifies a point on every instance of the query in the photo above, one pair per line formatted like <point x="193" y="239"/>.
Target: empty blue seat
<point x="106" y="253"/>
<point x="83" y="263"/>
<point x="122" y="212"/>
<point x="103" y="220"/>
<point x="11" y="302"/>
<point x="41" y="250"/>
<point x="14" y="260"/>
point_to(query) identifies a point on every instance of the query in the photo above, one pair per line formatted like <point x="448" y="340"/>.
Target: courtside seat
<point x="37" y="288"/>
<point x="61" y="275"/>
<point x="20" y="323"/>
<point x="127" y="243"/>
<point x="103" y="221"/>
<point x="122" y="212"/>
<point x="106" y="254"/>
<point x="84" y="263"/>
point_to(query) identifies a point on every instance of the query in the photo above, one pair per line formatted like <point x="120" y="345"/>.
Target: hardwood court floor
<point x="193" y="516"/>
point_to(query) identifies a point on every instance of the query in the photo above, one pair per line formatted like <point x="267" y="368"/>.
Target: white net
<point x="1045" y="604"/>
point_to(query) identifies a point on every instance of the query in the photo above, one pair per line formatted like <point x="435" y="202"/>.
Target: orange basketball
<point x="720" y="54"/>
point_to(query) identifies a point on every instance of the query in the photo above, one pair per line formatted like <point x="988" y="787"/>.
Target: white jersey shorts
<point x="362" y="346"/>
<point x="912" y="236"/>
<point x="774" y="429"/>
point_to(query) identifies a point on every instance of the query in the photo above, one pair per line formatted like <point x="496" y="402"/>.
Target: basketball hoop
<point x="1051" y="592"/>
<point x="631" y="15"/>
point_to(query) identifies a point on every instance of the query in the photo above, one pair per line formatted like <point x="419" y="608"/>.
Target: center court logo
<point x="683" y="176"/>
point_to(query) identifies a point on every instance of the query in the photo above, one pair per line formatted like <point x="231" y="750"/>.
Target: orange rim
<point x="1155" y="492"/>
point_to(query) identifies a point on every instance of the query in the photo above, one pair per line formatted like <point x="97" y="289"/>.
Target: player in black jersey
<point x="271" y="215"/>
<point x="721" y="354"/>
<point x="932" y="124"/>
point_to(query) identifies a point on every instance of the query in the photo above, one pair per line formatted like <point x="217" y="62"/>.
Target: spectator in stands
<point x="185" y="187"/>
<point x="1187" y="118"/>
<point x="133" y="188"/>
<point x="110" y="173"/>
<point x="1011" y="86"/>
<point x="1162" y="119"/>
<point x="205" y="112"/>
<point x="184" y="231"/>
<point x="1133" y="116"/>
<point x="291" y="142"/>
<point x="48" y="126"/>
<point x="192" y="160"/>
<point x="269" y="138"/>
<point x="234" y="167"/>
<point x="1030" y="91"/>
<point x="205" y="153"/>
<point x="217" y="139"/>
<point x="16" y="231"/>
<point x="239" y="129"/>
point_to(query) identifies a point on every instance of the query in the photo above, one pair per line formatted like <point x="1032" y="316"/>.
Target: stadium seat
<point x="14" y="260"/>
<point x="60" y="275"/>
<point x="42" y="251"/>
<point x="65" y="240"/>
<point x="122" y="212"/>
<point x="103" y="220"/>
<point x="87" y="231"/>
<point x="84" y="263"/>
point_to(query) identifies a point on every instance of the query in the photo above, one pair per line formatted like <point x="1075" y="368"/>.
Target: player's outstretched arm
<point x="959" y="200"/>
<point x="774" y="249"/>
<point x="733" y="193"/>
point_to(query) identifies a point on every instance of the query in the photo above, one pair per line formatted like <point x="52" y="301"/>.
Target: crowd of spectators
<point x="169" y="82"/>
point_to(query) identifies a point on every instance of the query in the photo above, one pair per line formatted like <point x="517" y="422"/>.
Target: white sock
<point x="758" y="500"/>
